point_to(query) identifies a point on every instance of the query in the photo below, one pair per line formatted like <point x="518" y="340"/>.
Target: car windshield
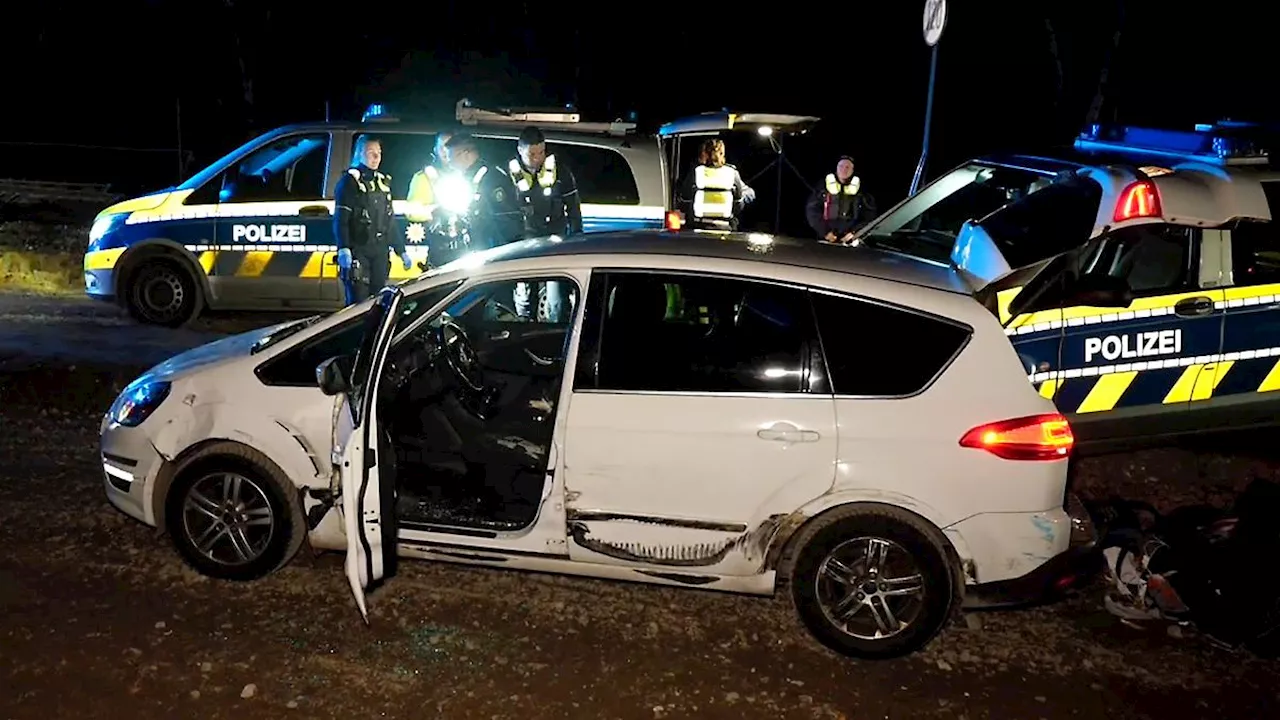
<point x="289" y="330"/>
<point x="926" y="225"/>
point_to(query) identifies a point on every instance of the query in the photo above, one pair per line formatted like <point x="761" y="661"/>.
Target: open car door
<point x="368" y="504"/>
<point x="679" y="157"/>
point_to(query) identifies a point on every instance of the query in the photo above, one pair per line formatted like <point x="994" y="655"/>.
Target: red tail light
<point x="1039" y="437"/>
<point x="675" y="220"/>
<point x="1139" y="200"/>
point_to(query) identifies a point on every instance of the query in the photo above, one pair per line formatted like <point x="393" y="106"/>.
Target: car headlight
<point x="105" y="224"/>
<point x="455" y="194"/>
<point x="137" y="402"/>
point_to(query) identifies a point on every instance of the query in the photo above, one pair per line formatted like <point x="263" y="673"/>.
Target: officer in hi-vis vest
<point x="548" y="196"/>
<point x="422" y="197"/>
<point x="547" y="190"/>
<point x="837" y="208"/>
<point x="363" y="224"/>
<point x="714" y="193"/>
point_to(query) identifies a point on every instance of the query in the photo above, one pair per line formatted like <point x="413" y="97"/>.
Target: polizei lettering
<point x="1137" y="345"/>
<point x="269" y="233"/>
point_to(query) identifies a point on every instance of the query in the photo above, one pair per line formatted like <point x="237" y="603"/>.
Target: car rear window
<point x="877" y="350"/>
<point x="1047" y="222"/>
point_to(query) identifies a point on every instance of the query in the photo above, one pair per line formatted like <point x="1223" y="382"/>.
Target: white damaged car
<point x="742" y="413"/>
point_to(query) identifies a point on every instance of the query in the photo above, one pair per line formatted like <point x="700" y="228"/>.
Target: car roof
<point x="762" y="249"/>
<point x="567" y="135"/>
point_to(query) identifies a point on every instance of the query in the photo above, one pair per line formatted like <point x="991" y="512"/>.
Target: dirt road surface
<point x="100" y="619"/>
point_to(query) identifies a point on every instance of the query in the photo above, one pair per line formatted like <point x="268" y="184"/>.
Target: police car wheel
<point x="232" y="514"/>
<point x="162" y="292"/>
<point x="870" y="582"/>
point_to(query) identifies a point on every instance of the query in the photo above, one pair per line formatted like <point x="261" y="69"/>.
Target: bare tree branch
<point x="1099" y="96"/>
<point x="246" y="78"/>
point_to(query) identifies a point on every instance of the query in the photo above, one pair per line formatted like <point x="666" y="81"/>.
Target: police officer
<point x="546" y="189"/>
<point x="363" y="224"/>
<point x="548" y="196"/>
<point x="491" y="208"/>
<point x="421" y="197"/>
<point x="715" y="192"/>
<point x="837" y="209"/>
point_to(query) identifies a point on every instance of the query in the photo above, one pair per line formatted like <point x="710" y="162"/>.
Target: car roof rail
<point x="566" y="119"/>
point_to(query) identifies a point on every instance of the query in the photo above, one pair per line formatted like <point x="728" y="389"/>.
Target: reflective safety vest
<point x="832" y="205"/>
<point x="524" y="180"/>
<point x="421" y="197"/>
<point x="713" y="194"/>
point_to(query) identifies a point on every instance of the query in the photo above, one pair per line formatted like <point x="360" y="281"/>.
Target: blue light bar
<point x="376" y="111"/>
<point x="1222" y="143"/>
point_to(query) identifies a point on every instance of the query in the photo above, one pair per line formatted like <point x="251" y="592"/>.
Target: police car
<point x="1139" y="280"/>
<point x="254" y="229"/>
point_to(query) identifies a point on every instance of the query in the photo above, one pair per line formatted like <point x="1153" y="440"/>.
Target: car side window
<point x="1255" y="253"/>
<point x="859" y="360"/>
<point x="688" y="333"/>
<point x="603" y="174"/>
<point x="296" y="367"/>
<point x="291" y="168"/>
<point x="496" y="151"/>
<point x="1154" y="259"/>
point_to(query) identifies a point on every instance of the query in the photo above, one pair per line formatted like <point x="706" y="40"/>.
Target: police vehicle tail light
<point x="1038" y="437"/>
<point x="674" y="220"/>
<point x="1139" y="200"/>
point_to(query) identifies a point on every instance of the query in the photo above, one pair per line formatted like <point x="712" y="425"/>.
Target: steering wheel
<point x="460" y="356"/>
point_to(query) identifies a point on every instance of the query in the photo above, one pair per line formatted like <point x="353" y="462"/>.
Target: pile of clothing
<point x="1211" y="568"/>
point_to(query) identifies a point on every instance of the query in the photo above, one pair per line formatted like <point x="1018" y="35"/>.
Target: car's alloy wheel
<point x="870" y="587"/>
<point x="233" y="514"/>
<point x="871" y="581"/>
<point x="228" y="518"/>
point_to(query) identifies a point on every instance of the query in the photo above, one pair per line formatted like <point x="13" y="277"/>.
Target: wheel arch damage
<point x="193" y="428"/>
<point x="782" y="551"/>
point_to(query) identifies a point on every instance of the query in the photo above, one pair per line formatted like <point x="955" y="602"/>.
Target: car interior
<point x="467" y="406"/>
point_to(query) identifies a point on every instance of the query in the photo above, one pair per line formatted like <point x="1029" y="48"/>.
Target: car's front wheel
<point x="162" y="292"/>
<point x="871" y="582"/>
<point x="233" y="514"/>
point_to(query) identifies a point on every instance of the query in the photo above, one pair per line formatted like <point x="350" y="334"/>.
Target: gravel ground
<point x="99" y="617"/>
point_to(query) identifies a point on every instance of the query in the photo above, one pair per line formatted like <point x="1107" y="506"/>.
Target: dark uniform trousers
<point x="363" y="223"/>
<point x="370" y="267"/>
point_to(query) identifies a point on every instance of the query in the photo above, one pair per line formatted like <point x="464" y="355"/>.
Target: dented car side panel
<point x="643" y="486"/>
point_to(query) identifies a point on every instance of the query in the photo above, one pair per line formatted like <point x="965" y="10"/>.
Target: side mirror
<point x="332" y="375"/>
<point x="1100" y="291"/>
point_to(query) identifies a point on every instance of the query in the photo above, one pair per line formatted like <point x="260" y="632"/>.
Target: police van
<point x="1139" y="281"/>
<point x="254" y="230"/>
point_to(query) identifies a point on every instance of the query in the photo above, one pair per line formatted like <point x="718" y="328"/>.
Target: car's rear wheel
<point x="871" y="582"/>
<point x="233" y="515"/>
<point x="162" y="292"/>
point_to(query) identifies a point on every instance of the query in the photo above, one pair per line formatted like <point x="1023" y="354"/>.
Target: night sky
<point x="114" y="75"/>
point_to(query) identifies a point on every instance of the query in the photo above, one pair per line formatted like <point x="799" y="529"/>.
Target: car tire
<point x="839" y="545"/>
<point x="265" y="492"/>
<point x="160" y="291"/>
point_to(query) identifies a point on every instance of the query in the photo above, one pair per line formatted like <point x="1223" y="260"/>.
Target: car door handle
<point x="314" y="211"/>
<point x="1194" y="306"/>
<point x="500" y="335"/>
<point x="787" y="433"/>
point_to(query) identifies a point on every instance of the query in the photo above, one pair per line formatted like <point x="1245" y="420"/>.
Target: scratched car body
<point x="701" y="411"/>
